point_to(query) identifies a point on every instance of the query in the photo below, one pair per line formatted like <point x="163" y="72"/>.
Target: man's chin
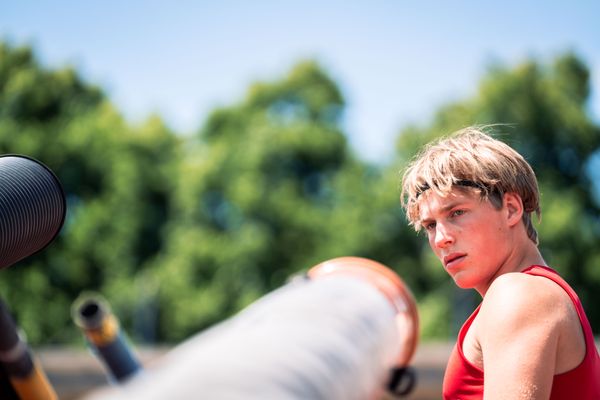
<point x="462" y="282"/>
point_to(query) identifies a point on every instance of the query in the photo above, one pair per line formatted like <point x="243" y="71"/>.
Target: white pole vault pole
<point x="342" y="333"/>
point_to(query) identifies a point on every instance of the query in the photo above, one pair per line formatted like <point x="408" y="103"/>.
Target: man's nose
<point x="443" y="236"/>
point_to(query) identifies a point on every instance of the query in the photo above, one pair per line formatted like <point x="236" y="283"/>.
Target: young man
<point x="529" y="338"/>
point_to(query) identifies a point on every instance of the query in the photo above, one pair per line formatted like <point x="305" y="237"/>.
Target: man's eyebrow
<point x="452" y="205"/>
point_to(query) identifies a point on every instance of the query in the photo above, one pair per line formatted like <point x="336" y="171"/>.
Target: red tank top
<point x="464" y="380"/>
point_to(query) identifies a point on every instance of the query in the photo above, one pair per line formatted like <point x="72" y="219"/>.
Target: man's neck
<point x="521" y="258"/>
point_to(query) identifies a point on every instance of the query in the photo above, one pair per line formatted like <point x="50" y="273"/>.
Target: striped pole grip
<point x="32" y="208"/>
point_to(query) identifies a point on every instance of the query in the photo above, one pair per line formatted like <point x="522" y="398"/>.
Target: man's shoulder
<point x="521" y="297"/>
<point x="509" y="279"/>
<point x="533" y="314"/>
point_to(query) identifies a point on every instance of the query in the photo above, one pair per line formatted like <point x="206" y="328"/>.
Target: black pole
<point x="24" y="372"/>
<point x="92" y="315"/>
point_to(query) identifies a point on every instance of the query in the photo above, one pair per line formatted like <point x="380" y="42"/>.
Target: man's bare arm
<point x="519" y="329"/>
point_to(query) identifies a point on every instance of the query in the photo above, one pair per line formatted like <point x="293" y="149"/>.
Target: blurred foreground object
<point x="91" y="313"/>
<point x="32" y="208"/>
<point x="402" y="378"/>
<point x="341" y="333"/>
<point x="32" y="211"/>
<point x="24" y="372"/>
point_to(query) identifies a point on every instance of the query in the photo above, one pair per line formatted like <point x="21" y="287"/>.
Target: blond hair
<point x="471" y="159"/>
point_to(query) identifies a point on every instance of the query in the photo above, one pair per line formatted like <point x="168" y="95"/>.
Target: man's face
<point x="469" y="235"/>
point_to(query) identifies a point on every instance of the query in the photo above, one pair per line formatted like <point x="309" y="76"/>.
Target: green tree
<point x="253" y="195"/>
<point x="186" y="231"/>
<point x="117" y="180"/>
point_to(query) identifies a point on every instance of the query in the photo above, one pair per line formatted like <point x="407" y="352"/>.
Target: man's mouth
<point x="453" y="259"/>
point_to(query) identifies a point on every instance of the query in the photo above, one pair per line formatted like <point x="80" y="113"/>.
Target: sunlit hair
<point x="473" y="160"/>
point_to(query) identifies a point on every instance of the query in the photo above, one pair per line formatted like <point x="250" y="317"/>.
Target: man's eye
<point x="456" y="213"/>
<point x="430" y="226"/>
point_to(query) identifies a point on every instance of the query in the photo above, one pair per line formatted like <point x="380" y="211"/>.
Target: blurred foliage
<point x="181" y="232"/>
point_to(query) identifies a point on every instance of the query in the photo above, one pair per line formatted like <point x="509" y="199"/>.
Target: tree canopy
<point x="180" y="232"/>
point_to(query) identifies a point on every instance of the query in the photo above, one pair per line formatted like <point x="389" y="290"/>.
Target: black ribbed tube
<point x="32" y="207"/>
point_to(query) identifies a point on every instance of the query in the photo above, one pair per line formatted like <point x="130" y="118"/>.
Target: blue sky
<point x="396" y="61"/>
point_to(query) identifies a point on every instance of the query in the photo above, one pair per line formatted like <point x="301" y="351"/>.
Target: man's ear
<point x="514" y="208"/>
